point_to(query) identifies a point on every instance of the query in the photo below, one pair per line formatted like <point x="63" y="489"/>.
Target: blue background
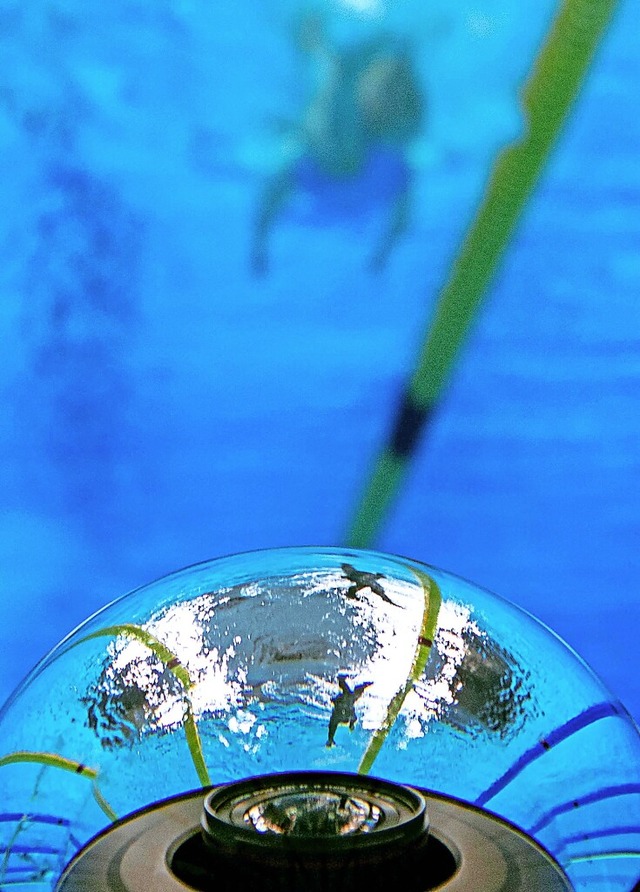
<point x="162" y="405"/>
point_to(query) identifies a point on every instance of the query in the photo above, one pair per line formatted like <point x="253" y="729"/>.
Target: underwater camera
<point x="312" y="831"/>
<point x="310" y="720"/>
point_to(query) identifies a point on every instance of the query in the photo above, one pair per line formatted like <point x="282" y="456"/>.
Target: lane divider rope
<point x="54" y="760"/>
<point x="424" y="643"/>
<point x="172" y="662"/>
<point x="547" y="98"/>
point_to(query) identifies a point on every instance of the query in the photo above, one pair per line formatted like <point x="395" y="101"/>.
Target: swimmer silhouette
<point x="367" y="108"/>
<point x="360" y="580"/>
<point x="344" y="712"/>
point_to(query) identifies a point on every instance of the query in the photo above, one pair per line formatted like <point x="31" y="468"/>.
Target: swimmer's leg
<point x="275" y="195"/>
<point x="396" y="227"/>
<point x="333" y="727"/>
<point x="310" y="33"/>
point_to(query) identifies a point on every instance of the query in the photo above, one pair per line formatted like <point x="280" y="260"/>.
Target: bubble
<point x="318" y="660"/>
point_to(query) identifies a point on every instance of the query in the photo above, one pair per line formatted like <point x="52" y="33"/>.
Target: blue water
<point x="163" y="405"/>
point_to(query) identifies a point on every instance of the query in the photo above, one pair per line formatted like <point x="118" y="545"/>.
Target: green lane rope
<point x="602" y="856"/>
<point x="8" y="850"/>
<point x="431" y="609"/>
<point x="53" y="760"/>
<point x="102" y="802"/>
<point x="549" y="93"/>
<point x="171" y="661"/>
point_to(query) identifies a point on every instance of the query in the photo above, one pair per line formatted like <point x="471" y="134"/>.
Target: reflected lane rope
<point x="53" y="760"/>
<point x="431" y="610"/>
<point x="171" y="661"/>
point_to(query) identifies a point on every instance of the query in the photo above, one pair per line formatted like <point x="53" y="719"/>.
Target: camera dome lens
<point x="321" y="830"/>
<point x="313" y="813"/>
<point x="315" y="809"/>
<point x="318" y="660"/>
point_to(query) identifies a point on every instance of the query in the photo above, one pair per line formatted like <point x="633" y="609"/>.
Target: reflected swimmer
<point x="344" y="712"/>
<point x="361" y="580"/>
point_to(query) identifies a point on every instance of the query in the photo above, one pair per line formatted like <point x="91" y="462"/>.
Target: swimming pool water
<point x="163" y="405"/>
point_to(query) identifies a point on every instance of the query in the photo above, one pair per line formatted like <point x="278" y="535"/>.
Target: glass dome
<point x="326" y="659"/>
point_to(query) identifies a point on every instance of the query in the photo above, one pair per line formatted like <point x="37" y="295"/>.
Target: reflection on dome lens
<point x="311" y="813"/>
<point x="318" y="662"/>
<point x="316" y="831"/>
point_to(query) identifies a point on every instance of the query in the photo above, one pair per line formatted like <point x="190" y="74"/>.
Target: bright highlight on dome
<point x="318" y="660"/>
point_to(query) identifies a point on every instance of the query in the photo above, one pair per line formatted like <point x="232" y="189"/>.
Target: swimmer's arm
<point x="396" y="227"/>
<point x="274" y="197"/>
